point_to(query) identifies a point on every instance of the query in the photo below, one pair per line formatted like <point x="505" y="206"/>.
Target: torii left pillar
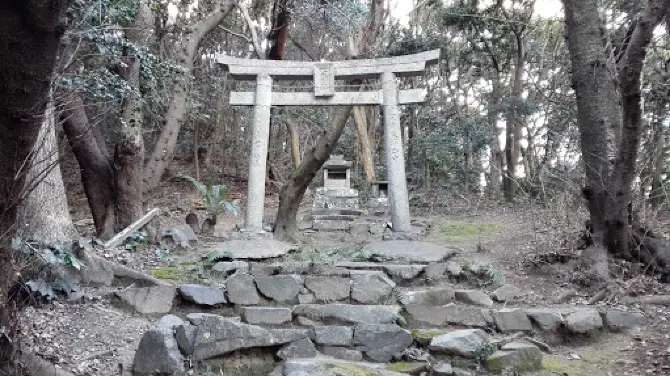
<point x="253" y="221"/>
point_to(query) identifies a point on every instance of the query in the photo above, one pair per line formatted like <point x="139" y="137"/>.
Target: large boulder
<point x="506" y="293"/>
<point x="242" y="289"/>
<point x="410" y="251"/>
<point x="329" y="289"/>
<point x="517" y="356"/>
<point x="219" y="335"/>
<point x="466" y="343"/>
<point x="512" y="320"/>
<point x="207" y="296"/>
<point x="545" y="319"/>
<point x="621" y="320"/>
<point x="149" y="300"/>
<point x="372" y="287"/>
<point x="583" y="321"/>
<point x="280" y="288"/>
<point x="158" y="352"/>
<point x="348" y="313"/>
<point x="380" y="342"/>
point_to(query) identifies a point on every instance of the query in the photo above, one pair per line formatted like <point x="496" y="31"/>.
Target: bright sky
<point x="543" y="8"/>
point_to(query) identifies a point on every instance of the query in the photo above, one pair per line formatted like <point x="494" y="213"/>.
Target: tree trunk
<point x="292" y="192"/>
<point x="30" y="34"/>
<point x="294" y="138"/>
<point x="361" y="121"/>
<point x="514" y="126"/>
<point x="495" y="158"/>
<point x="608" y="190"/>
<point x="44" y="215"/>
<point x="164" y="149"/>
<point x="97" y="172"/>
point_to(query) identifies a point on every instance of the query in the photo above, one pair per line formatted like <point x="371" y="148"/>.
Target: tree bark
<point x="293" y="191"/>
<point x="514" y="125"/>
<point x="608" y="189"/>
<point x="30" y="33"/>
<point x="44" y="215"/>
<point x="97" y="171"/>
<point x="294" y="138"/>
<point x="361" y="121"/>
<point x="164" y="149"/>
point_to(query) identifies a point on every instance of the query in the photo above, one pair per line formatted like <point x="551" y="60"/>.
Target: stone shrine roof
<point x="337" y="162"/>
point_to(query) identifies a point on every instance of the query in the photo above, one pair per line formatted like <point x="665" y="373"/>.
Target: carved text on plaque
<point x="324" y="80"/>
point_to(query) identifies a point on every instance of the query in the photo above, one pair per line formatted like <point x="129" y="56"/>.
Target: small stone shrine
<point x="335" y="204"/>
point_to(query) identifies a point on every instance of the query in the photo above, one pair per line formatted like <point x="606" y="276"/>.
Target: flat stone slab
<point x="149" y="300"/>
<point x="327" y="366"/>
<point x="249" y="249"/>
<point x="203" y="295"/>
<point x="349" y="313"/>
<point x="410" y="251"/>
<point x="266" y="315"/>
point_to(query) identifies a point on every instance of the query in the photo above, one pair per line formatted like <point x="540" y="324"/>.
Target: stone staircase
<point x="300" y="318"/>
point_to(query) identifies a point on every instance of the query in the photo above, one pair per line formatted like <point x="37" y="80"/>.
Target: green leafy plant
<point x="214" y="198"/>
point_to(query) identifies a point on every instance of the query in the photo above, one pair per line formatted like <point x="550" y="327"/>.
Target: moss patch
<point x="170" y="274"/>
<point x="406" y="367"/>
<point x="349" y="370"/>
<point x="424" y="336"/>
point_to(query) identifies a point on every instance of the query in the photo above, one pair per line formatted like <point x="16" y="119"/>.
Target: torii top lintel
<point x="402" y="66"/>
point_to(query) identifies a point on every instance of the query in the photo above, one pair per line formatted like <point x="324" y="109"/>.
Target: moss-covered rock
<point x="412" y="368"/>
<point x="518" y="356"/>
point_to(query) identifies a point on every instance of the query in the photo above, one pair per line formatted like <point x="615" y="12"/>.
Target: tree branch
<point x="254" y="35"/>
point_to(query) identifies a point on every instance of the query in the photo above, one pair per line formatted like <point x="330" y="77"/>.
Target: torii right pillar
<point x="395" y="157"/>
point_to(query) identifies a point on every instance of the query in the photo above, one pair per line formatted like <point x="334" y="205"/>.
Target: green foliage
<point x="482" y="275"/>
<point x="214" y="197"/>
<point x="484" y="351"/>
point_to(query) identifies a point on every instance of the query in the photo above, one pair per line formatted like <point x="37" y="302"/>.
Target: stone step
<point x="334" y="217"/>
<point x="349" y="212"/>
<point x="372" y="333"/>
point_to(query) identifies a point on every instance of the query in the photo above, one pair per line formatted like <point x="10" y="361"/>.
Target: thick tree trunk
<point x="44" y="215"/>
<point x="97" y="172"/>
<point x="292" y="192"/>
<point x="129" y="152"/>
<point x="608" y="189"/>
<point x="164" y="149"/>
<point x="367" y="159"/>
<point x="30" y="33"/>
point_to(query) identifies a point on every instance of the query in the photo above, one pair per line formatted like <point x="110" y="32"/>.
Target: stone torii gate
<point x="324" y="75"/>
